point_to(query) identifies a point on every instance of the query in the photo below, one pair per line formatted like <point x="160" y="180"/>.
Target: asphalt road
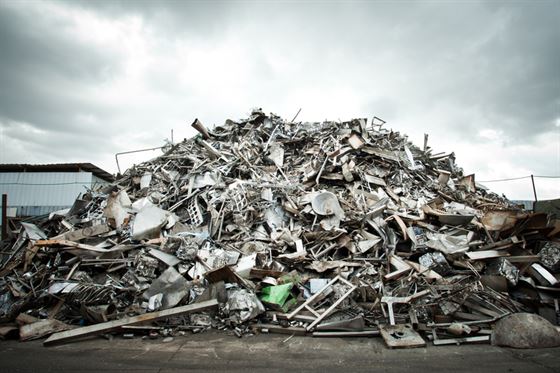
<point x="213" y="351"/>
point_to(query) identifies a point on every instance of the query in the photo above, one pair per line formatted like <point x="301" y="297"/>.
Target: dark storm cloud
<point x="44" y="73"/>
<point x="475" y="75"/>
<point x="497" y="60"/>
<point x="512" y="76"/>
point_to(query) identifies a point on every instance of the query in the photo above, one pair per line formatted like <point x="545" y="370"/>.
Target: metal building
<point x="37" y="189"/>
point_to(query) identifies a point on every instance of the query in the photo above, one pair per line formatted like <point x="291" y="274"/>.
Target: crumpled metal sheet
<point x="82" y="293"/>
<point x="503" y="267"/>
<point x="171" y="285"/>
<point x="148" y="222"/>
<point x="243" y="305"/>
<point x="447" y="244"/>
<point x="435" y="261"/>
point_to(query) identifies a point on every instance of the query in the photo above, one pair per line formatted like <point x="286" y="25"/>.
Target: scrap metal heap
<point x="323" y="229"/>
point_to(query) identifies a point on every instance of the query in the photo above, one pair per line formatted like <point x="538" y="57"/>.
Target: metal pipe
<point x="534" y="191"/>
<point x="133" y="151"/>
<point x="4" y="216"/>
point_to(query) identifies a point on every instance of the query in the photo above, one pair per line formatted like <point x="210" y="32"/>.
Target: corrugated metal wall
<point x="97" y="182"/>
<point x="42" y="192"/>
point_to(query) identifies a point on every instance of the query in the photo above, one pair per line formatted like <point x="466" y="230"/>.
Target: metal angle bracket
<point x="320" y="316"/>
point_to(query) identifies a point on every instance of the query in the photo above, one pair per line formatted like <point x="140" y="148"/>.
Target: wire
<point x="519" y="178"/>
<point x="510" y="179"/>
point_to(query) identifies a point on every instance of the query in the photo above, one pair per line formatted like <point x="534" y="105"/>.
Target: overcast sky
<point x="80" y="81"/>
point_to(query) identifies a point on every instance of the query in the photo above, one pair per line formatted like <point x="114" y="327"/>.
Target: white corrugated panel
<point x="43" y="188"/>
<point x="98" y="182"/>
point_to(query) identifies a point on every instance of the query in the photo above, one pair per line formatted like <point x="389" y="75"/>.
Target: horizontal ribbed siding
<point x="42" y="192"/>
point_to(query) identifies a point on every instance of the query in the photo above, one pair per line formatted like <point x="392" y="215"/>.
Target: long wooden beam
<point x="116" y="324"/>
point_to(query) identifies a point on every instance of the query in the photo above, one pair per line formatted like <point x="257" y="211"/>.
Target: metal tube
<point x="4" y="216"/>
<point x="132" y="151"/>
<point x="534" y="192"/>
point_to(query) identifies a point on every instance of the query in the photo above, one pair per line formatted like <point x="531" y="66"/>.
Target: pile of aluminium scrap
<point x="264" y="225"/>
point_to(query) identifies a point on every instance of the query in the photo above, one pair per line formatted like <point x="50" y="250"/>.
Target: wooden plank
<point x="116" y="324"/>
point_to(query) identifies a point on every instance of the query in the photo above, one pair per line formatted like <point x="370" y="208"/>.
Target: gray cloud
<point x="475" y="75"/>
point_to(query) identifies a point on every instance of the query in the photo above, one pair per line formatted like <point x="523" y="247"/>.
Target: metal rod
<point x="133" y="151"/>
<point x="294" y="118"/>
<point x="4" y="216"/>
<point x="534" y="191"/>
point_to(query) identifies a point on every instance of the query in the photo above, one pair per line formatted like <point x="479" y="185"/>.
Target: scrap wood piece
<point x="401" y="336"/>
<point x="105" y="327"/>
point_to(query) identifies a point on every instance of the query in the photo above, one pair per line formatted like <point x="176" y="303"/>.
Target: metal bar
<point x="331" y="308"/>
<point x="534" y="191"/>
<point x="458" y="341"/>
<point x="312" y="298"/>
<point x="364" y="333"/>
<point x="133" y="151"/>
<point x="295" y="116"/>
<point x="4" y="216"/>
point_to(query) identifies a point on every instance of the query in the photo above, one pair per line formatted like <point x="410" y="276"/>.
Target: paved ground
<point x="271" y="353"/>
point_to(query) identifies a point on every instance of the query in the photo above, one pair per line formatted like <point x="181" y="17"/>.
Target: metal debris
<point x="342" y="228"/>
